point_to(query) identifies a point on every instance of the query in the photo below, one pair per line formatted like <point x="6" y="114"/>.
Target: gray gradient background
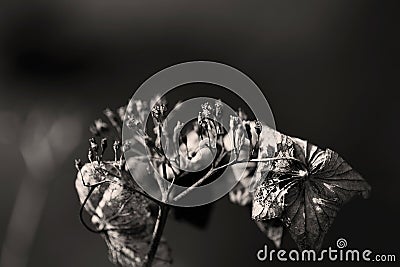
<point x="330" y="70"/>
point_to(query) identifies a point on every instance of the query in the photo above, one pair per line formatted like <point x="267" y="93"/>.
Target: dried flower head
<point x="159" y="112"/>
<point x="283" y="169"/>
<point x="206" y="110"/>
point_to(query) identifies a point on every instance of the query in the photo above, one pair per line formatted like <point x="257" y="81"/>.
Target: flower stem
<point x="157" y="233"/>
<point x="233" y="162"/>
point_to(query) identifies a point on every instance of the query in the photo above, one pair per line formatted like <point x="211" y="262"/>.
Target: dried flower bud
<point x="78" y="164"/>
<point x="200" y="118"/>
<point x="218" y="109"/>
<point x="258" y="127"/>
<point x="103" y="145"/>
<point x="204" y="124"/>
<point x="234" y="122"/>
<point x="116" y="145"/>
<point x="131" y="108"/>
<point x="142" y="109"/>
<point x="99" y="127"/>
<point x="121" y="112"/>
<point x="112" y="117"/>
<point x="242" y="115"/>
<point x="139" y="105"/>
<point x="155" y="112"/>
<point x="93" y="145"/>
<point x="91" y="155"/>
<point x="158" y="112"/>
<point x="133" y="123"/>
<point x="163" y="109"/>
<point x="126" y="146"/>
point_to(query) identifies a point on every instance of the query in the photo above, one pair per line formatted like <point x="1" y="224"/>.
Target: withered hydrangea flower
<point x="288" y="182"/>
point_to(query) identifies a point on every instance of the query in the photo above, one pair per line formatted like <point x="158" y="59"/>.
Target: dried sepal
<point x="304" y="186"/>
<point x="297" y="183"/>
<point x="120" y="212"/>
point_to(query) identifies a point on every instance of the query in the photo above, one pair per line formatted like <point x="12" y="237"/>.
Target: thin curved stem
<point x="92" y="188"/>
<point x="235" y="161"/>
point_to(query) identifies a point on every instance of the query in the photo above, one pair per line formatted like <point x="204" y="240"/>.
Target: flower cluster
<point x="287" y="181"/>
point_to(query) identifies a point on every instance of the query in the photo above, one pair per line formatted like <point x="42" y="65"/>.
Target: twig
<point x="200" y="181"/>
<point x="233" y="162"/>
<point x="157" y="233"/>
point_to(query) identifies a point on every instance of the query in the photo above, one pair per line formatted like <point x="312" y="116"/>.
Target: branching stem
<point x="233" y="162"/>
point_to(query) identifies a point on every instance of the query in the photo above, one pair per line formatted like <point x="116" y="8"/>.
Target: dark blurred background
<point x="329" y="69"/>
